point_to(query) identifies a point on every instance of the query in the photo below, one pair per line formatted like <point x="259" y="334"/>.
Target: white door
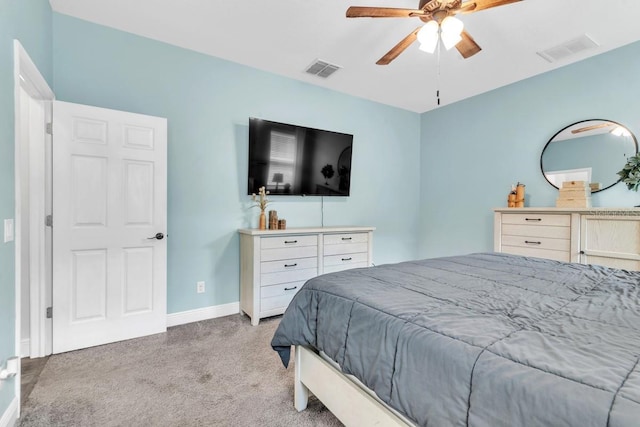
<point x="109" y="203"/>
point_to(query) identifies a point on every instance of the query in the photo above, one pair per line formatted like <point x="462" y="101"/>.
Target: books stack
<point x="574" y="194"/>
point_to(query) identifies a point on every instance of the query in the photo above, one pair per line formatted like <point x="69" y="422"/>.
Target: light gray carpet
<point x="220" y="372"/>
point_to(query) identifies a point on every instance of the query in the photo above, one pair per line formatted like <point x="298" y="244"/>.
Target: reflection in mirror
<point x="590" y="150"/>
<point x="344" y="166"/>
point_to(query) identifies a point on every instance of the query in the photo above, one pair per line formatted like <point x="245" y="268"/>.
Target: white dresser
<point x="274" y="264"/>
<point x="603" y="236"/>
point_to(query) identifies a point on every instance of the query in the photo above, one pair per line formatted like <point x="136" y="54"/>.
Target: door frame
<point x="27" y="77"/>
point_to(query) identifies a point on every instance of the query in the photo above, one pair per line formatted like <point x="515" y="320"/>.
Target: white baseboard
<point x="205" y="313"/>
<point x="25" y="348"/>
<point x="10" y="416"/>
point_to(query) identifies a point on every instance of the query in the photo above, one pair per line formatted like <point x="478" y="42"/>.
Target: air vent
<point x="568" y="49"/>
<point x="322" y="68"/>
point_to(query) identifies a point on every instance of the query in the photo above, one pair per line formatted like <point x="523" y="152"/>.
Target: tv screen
<point x="298" y="161"/>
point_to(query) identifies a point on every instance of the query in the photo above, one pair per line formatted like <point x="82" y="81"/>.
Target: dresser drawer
<point x="345" y="259"/>
<point x="537" y="219"/>
<point x="333" y="263"/>
<point x="280" y="290"/>
<point x="538" y="253"/>
<point x="536" y="230"/>
<point x="340" y="239"/>
<point x="288" y="253"/>
<point x="537" y="242"/>
<point x="289" y="264"/>
<point x="278" y="303"/>
<point x="267" y="279"/>
<point x="346" y="248"/>
<point x="277" y="242"/>
<point x="341" y="267"/>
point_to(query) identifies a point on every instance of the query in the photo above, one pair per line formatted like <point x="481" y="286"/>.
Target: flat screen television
<point x="298" y="161"/>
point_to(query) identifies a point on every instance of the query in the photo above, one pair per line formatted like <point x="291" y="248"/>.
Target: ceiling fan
<point x="440" y="23"/>
<point x="617" y="130"/>
<point x="592" y="127"/>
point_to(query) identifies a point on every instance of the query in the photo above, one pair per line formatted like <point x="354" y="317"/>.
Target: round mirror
<point x="590" y="150"/>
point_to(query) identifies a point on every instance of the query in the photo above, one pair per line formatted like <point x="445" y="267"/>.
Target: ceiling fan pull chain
<point x="438" y="72"/>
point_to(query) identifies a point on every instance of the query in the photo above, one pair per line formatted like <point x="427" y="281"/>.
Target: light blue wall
<point x="473" y="150"/>
<point x="208" y="102"/>
<point x="29" y="22"/>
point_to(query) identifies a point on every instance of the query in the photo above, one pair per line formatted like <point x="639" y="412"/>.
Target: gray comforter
<point x="481" y="340"/>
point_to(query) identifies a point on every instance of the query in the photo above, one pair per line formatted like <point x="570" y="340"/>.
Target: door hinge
<point x="49" y="128"/>
<point x="49" y="312"/>
<point x="48" y="220"/>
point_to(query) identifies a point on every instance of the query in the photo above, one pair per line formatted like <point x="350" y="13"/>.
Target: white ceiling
<point x="285" y="36"/>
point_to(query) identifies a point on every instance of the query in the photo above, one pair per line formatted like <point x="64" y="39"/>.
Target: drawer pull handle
<point x="347" y="259"/>
<point x="532" y="243"/>
<point x="288" y="242"/>
<point x="346" y="238"/>
<point x="533" y="219"/>
<point x="290" y="289"/>
<point x="291" y="265"/>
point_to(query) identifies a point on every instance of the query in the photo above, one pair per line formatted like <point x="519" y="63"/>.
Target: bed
<point x="486" y="339"/>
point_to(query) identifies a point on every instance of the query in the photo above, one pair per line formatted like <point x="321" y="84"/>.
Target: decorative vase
<point x="262" y="225"/>
<point x="520" y="196"/>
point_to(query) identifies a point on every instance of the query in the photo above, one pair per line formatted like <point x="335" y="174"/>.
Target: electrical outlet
<point x="200" y="287"/>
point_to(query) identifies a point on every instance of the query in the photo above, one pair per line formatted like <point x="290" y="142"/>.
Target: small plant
<point x="328" y="172"/>
<point x="630" y="173"/>
<point x="260" y="200"/>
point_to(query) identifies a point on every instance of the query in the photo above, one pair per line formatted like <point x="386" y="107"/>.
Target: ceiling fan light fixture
<point x="429" y="47"/>
<point x="452" y="25"/>
<point x="620" y="131"/>
<point x="450" y="40"/>
<point x="428" y="37"/>
<point x="451" y="30"/>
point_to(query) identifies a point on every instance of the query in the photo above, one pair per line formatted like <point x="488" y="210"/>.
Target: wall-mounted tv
<point x="298" y="161"/>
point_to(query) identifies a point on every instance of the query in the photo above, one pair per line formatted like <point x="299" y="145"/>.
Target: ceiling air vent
<point x="568" y="49"/>
<point x="322" y="68"/>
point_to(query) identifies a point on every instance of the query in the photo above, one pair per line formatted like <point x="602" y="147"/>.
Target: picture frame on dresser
<point x="275" y="264"/>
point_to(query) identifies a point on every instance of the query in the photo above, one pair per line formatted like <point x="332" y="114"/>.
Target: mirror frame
<point x="635" y="142"/>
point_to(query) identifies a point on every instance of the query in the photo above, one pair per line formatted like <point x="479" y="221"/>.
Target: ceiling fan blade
<point x="382" y="12"/>
<point x="592" y="127"/>
<point x="399" y="48"/>
<point x="467" y="46"/>
<point x="467" y="7"/>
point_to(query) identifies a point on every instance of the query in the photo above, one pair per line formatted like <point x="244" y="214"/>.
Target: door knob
<point x="158" y="236"/>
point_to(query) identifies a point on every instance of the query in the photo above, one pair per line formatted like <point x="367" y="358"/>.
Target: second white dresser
<point x="601" y="236"/>
<point x="274" y="264"/>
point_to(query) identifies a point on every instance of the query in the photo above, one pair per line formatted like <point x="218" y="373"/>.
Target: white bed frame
<point x="346" y="397"/>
